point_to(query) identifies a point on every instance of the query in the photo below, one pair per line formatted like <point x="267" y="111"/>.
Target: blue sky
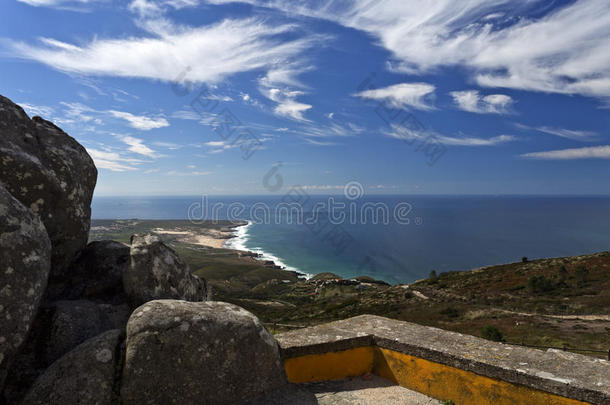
<point x="402" y="96"/>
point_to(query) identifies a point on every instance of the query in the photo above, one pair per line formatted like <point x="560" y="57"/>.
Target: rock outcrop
<point x="96" y="274"/>
<point x="198" y="353"/>
<point x="86" y="375"/>
<point x="157" y="272"/>
<point x="25" y="260"/>
<point x="73" y="322"/>
<point x="65" y="305"/>
<point x="50" y="173"/>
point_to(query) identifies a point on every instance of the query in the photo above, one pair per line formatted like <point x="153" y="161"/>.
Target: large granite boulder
<point x="86" y="375"/>
<point x="73" y="322"/>
<point x="58" y="328"/>
<point x="51" y="173"/>
<point x="198" y="353"/>
<point x="96" y="274"/>
<point x="25" y="260"/>
<point x="157" y="272"/>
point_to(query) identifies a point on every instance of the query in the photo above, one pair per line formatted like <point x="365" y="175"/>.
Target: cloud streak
<point x="472" y="101"/>
<point x="563" y="54"/>
<point x="112" y="161"/>
<point x="592" y="152"/>
<point x="57" y="3"/>
<point x="575" y="135"/>
<point x="137" y="145"/>
<point x="406" y="134"/>
<point x="212" y="52"/>
<point x="403" y="95"/>
<point x="140" y="122"/>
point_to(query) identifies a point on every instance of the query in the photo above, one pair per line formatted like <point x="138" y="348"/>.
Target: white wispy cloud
<point x="403" y="95"/>
<point x="140" y="122"/>
<point x="576" y="135"/>
<point x="278" y="86"/>
<point x="323" y="187"/>
<point x="214" y="147"/>
<point x="40" y="110"/>
<point x="212" y="52"/>
<point x="472" y="101"/>
<point x="58" y="3"/>
<point x="591" y="152"/>
<point x="318" y="143"/>
<point x="168" y="145"/>
<point x="188" y="173"/>
<point x="137" y="146"/>
<point x="288" y="106"/>
<point x="573" y="134"/>
<point x="334" y="129"/>
<point x="563" y="54"/>
<point x="113" y="161"/>
<point x="406" y="134"/>
<point x="187" y="114"/>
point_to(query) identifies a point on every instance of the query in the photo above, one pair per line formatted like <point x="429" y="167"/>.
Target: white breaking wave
<point x="239" y="243"/>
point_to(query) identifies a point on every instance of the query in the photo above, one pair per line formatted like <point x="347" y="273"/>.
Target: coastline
<point x="237" y="241"/>
<point x="213" y="238"/>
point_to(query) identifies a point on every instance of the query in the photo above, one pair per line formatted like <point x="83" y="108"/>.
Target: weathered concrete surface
<point x="565" y="374"/>
<point x="157" y="272"/>
<point x="50" y="173"/>
<point x="180" y="352"/>
<point x="25" y="261"/>
<point x="86" y="375"/>
<point x="364" y="390"/>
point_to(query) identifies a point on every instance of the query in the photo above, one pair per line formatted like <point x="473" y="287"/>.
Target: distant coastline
<point x="239" y="238"/>
<point x="222" y="235"/>
<point x="455" y="233"/>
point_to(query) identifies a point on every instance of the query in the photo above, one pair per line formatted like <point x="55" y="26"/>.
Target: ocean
<point x="398" y="239"/>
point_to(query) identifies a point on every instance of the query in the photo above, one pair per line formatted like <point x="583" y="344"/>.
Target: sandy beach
<point x="212" y="238"/>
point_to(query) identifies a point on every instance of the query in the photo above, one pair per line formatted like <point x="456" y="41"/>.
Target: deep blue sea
<point x="393" y="238"/>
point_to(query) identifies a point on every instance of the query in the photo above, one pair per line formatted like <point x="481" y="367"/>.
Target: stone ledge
<point x="564" y="374"/>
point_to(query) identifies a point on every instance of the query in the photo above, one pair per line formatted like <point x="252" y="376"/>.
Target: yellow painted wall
<point x="430" y="378"/>
<point x="330" y="366"/>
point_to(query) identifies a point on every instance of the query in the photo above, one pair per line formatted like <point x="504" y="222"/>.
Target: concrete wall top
<point x="567" y="374"/>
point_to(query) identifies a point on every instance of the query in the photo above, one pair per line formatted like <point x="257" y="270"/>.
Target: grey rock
<point x="73" y="322"/>
<point x="157" y="272"/>
<point x="25" y="260"/>
<point x="96" y="274"/>
<point x="180" y="352"/>
<point x="50" y="173"/>
<point x="86" y="375"/>
<point x="58" y="328"/>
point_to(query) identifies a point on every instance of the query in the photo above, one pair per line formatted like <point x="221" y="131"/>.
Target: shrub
<point x="540" y="284"/>
<point x="450" y="312"/>
<point x="524" y="259"/>
<point x="490" y="332"/>
<point x="562" y="276"/>
<point x="582" y="274"/>
<point x="432" y="275"/>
